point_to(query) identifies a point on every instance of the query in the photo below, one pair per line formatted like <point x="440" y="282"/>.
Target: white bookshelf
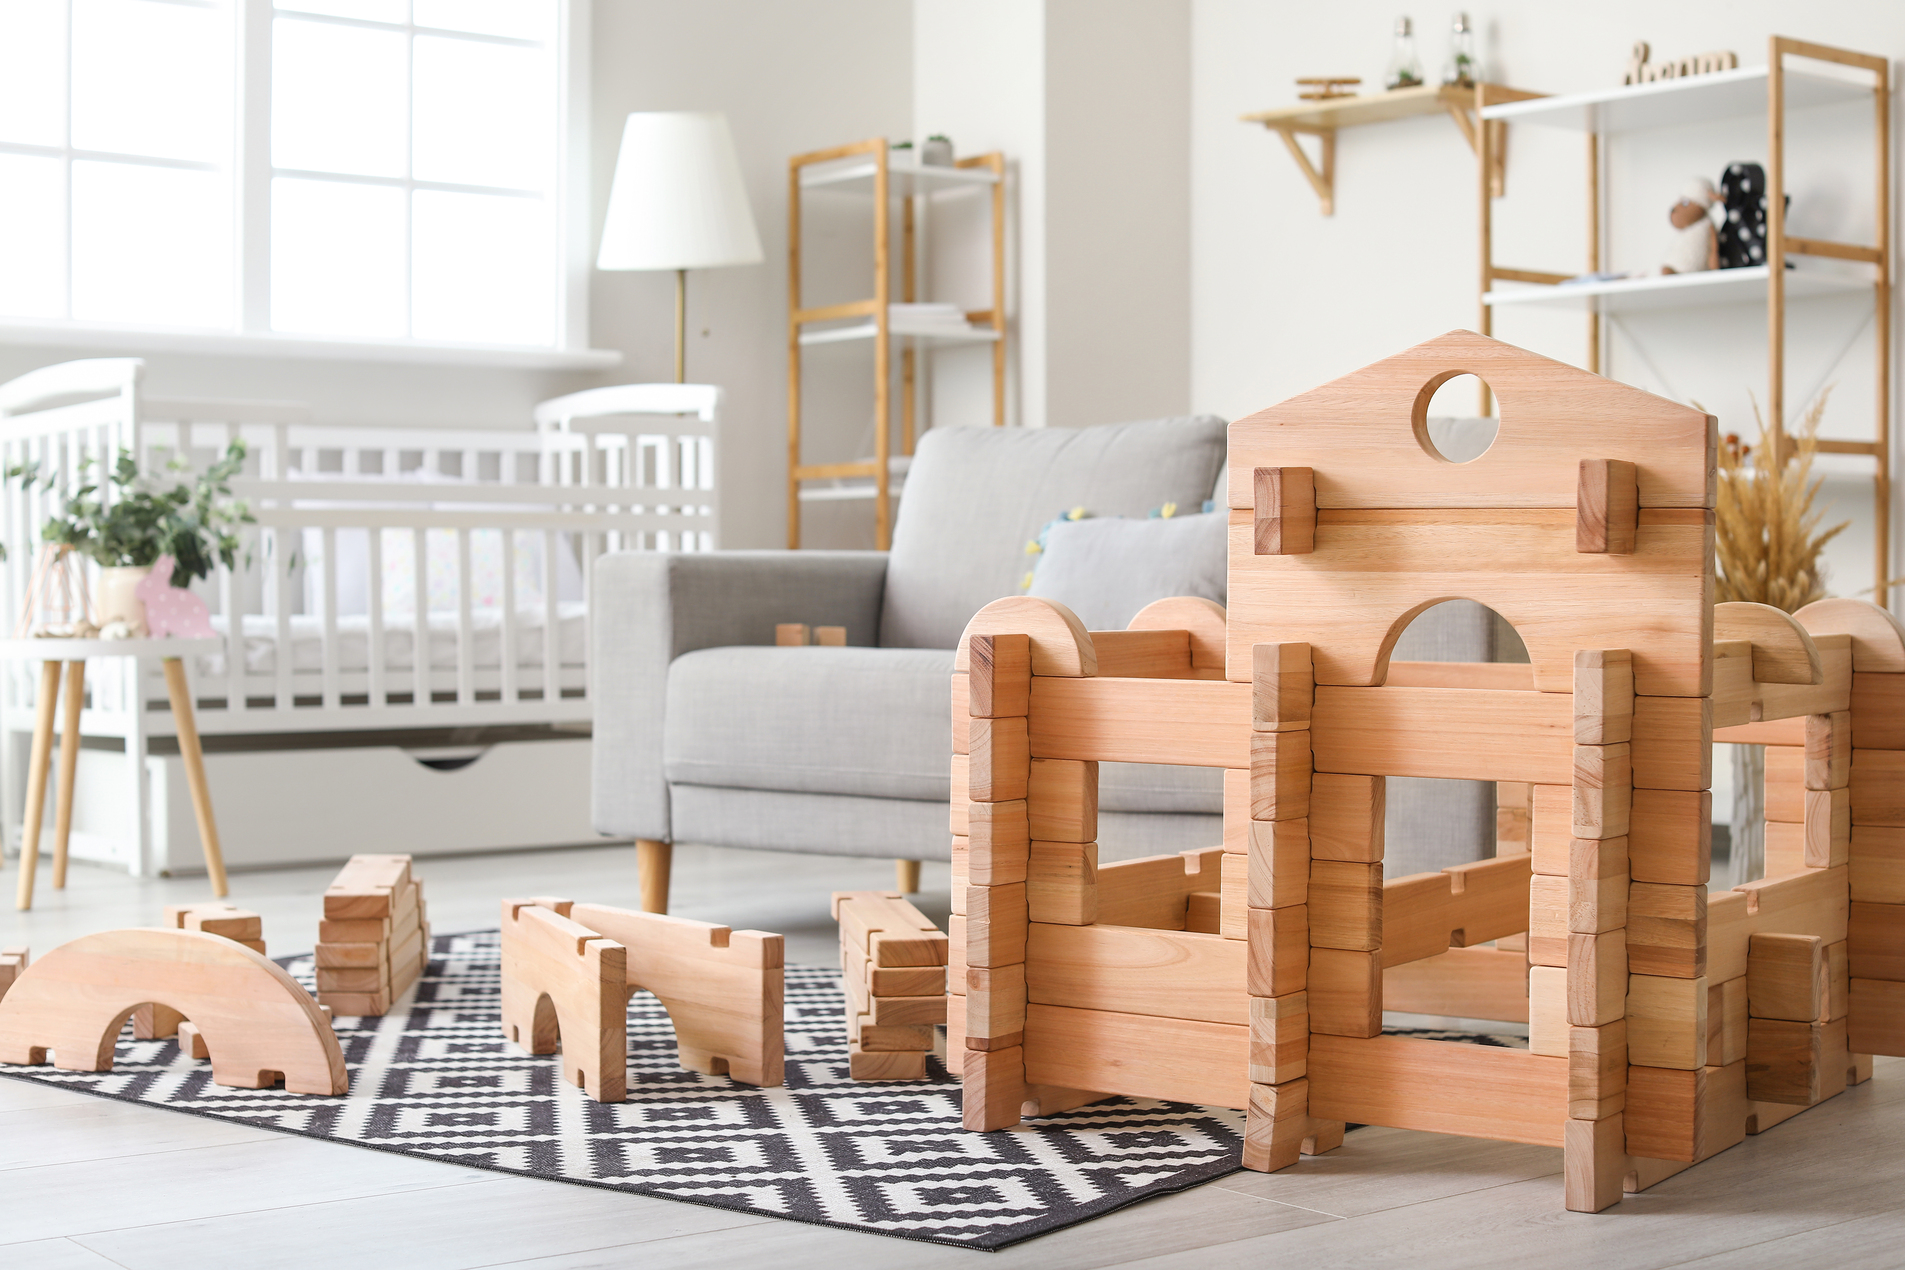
<point x="1676" y="290"/>
<point x="1671" y="102"/>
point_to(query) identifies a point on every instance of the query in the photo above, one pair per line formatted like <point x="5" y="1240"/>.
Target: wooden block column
<point x="374" y="940"/>
<point x="1279" y="877"/>
<point x="892" y="964"/>
<point x="1597" y="1040"/>
<point x="1875" y="942"/>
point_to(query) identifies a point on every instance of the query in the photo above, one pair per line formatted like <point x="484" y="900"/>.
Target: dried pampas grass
<point x="1767" y="528"/>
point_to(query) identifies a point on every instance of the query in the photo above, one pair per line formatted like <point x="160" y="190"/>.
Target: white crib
<point x="398" y="584"/>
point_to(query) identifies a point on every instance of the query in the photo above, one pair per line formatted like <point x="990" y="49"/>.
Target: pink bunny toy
<point x="172" y="610"/>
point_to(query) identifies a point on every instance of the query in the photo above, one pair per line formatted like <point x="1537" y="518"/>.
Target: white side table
<point x="74" y="652"/>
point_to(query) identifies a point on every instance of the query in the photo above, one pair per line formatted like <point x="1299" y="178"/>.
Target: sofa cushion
<point x="1105" y="570"/>
<point x="974" y="496"/>
<point x="862" y="722"/>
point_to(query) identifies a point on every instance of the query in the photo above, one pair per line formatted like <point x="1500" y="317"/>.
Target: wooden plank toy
<point x="722" y="988"/>
<point x="1667" y="1021"/>
<point x="893" y="966"/>
<point x="257" y="1023"/>
<point x="374" y="941"/>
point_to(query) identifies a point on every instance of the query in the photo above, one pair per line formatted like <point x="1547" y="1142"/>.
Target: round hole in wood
<point x="1447" y="424"/>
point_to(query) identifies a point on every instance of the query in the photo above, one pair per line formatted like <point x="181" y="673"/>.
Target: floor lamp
<point x="678" y="203"/>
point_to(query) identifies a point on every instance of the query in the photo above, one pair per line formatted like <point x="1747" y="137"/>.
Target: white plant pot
<point x="115" y="597"/>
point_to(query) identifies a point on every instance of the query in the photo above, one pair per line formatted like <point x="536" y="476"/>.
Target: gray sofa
<point x="707" y="733"/>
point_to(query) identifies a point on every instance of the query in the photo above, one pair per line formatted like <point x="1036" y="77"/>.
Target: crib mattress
<point x="263" y="642"/>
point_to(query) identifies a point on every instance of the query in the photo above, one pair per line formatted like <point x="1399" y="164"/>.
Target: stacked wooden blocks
<point x="800" y="635"/>
<point x="374" y="940"/>
<point x="12" y="961"/>
<point x="1876" y="927"/>
<point x="893" y="963"/>
<point x="154" y="1022"/>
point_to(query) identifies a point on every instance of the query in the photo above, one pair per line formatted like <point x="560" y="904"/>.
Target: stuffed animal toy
<point x="1695" y="245"/>
<point x="172" y="610"/>
<point x="1743" y="232"/>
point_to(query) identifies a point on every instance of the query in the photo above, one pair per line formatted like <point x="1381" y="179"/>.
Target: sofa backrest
<point x="974" y="496"/>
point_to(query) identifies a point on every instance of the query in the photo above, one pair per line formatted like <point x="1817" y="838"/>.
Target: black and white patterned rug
<point x="889" y="1157"/>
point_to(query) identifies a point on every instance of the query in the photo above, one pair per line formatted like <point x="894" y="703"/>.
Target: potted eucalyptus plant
<point x="193" y="518"/>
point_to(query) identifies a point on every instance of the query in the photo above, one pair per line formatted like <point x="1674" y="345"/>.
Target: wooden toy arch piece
<point x="563" y="985"/>
<point x="257" y="1021"/>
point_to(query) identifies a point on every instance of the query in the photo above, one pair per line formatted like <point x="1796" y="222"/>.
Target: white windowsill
<point x="118" y="339"/>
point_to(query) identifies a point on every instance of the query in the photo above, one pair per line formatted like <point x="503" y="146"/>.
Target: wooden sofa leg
<point x="652" y="860"/>
<point x="906" y="876"/>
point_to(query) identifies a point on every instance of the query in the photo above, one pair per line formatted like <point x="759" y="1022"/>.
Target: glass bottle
<point x="1460" y="70"/>
<point x="1405" y="69"/>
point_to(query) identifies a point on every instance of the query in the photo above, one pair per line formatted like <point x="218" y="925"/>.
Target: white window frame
<point x="251" y="190"/>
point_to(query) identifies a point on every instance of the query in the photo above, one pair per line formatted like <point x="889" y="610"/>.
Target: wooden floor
<point x="85" y="1182"/>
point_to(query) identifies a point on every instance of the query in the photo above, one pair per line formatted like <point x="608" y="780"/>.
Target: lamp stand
<point x="681" y="325"/>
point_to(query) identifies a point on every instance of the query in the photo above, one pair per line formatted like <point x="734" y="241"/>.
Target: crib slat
<point x="420" y="695"/>
<point x="374" y="652"/>
<point x="234" y="640"/>
<point x="331" y="697"/>
<point x="590" y="542"/>
<point x="465" y="653"/>
<point x="551" y="627"/>
<point x="509" y="654"/>
<point x="281" y="605"/>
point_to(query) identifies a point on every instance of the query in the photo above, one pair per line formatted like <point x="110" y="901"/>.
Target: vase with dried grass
<point x="1768" y="545"/>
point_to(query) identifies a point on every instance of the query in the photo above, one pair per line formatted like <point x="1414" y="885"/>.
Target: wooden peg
<point x="1286" y="511"/>
<point x="1607" y="507"/>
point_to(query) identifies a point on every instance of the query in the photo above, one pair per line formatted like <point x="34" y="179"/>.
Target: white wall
<point x="1285" y="298"/>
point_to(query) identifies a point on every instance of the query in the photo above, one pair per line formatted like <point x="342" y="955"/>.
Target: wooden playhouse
<point x="1666" y="1023"/>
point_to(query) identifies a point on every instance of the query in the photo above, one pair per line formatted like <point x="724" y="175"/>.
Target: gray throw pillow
<point x="1105" y="570"/>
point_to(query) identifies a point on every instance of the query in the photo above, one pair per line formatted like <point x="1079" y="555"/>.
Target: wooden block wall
<point x="893" y="1001"/>
<point x="374" y="940"/>
<point x="1874" y="788"/>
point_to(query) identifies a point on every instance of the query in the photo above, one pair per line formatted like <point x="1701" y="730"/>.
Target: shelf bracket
<point x="1464" y="117"/>
<point x="1323" y="183"/>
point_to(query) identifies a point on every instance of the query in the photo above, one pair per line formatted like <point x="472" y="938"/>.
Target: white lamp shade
<point x="677" y="201"/>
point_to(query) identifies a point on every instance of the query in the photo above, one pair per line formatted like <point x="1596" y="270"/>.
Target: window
<point x="374" y="170"/>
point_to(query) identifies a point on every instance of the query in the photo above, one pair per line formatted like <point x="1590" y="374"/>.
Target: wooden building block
<point x="904" y="981"/>
<point x="1463" y="983"/>
<point x="1670" y="836"/>
<point x="1667" y="930"/>
<point x="367" y="886"/>
<point x="1466" y="904"/>
<point x="1346" y="905"/>
<point x="995" y="925"/>
<point x="1784" y="792"/>
<point x="1232" y="899"/>
<point x="215" y="919"/>
<point x="258" y="1023"/>
<point x="1205" y="911"/>
<point x="1667" y="1022"/>
<point x="354" y="979"/>
<point x="1132" y="970"/>
<point x="375" y="930"/>
<point x="1727" y="1014"/>
<point x="584" y="977"/>
<point x="1783" y="849"/>
<point x="1144" y="654"/>
<point x="1665" y="1112"/>
<point x="1061" y="800"/>
<point x="1548" y="1011"/>
<point x="1787" y="977"/>
<point x="830" y="636"/>
<point x="994" y="1088"/>
<point x="1597" y="978"/>
<point x="1443" y="733"/>
<point x="1548" y="920"/>
<point x="1878" y="711"/>
<point x="1478" y="1091"/>
<point x="998" y="843"/>
<point x="1828" y="828"/>
<point x="1878" y="787"/>
<point x="1282" y="687"/>
<point x="1000" y="752"/>
<point x="1512" y="817"/>
<point x="1345" y="992"/>
<point x="1275" y="1124"/>
<point x="1607" y="513"/>
<point x="1603" y="696"/>
<point x="1838" y="983"/>
<point x="1152" y="890"/>
<point x="999" y="676"/>
<point x="1878" y="865"/>
<point x="1783" y="1062"/>
<point x="995" y="1006"/>
<point x="1597" y="885"/>
<point x="1061" y="883"/>
<point x="1236" y="840"/>
<point x="191" y="1041"/>
<point x="891" y="1065"/>
<point x="1603" y="791"/>
<point x="1595" y="1164"/>
<point x="1550" y="826"/>
<point x="1190" y="722"/>
<point x="1876" y="1021"/>
<point x="1875" y="935"/>
<point x="1279" y="863"/>
<point x="885" y="928"/>
<point x="884" y="1038"/>
<point x="1060" y="644"/>
<point x="1672" y="746"/>
<point x="356" y="1004"/>
<point x="790" y="634"/>
<point x="1279" y="951"/>
<point x="1203" y="621"/>
<point x="1597" y="1071"/>
<point x="1279" y="775"/>
<point x="961" y="801"/>
<point x="1285" y="511"/>
<point x="1347" y="817"/>
<point x="1138" y="1055"/>
<point x="1829" y="750"/>
<point x="336" y="956"/>
<point x="1279" y="1038"/>
<point x="13" y="959"/>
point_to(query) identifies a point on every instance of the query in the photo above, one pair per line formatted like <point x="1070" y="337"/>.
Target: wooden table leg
<point x="69" y="768"/>
<point x="36" y="772"/>
<point x="187" y="724"/>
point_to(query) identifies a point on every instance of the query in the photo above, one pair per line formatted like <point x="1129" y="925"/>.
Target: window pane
<point x="369" y="10"/>
<point x="32" y="236"/>
<point x="33" y="72"/>
<point x="523" y="19"/>
<point x="337" y="98"/>
<point x="483" y="270"/>
<point x="484" y="114"/>
<point x="337" y="258"/>
<point x="152" y="79"/>
<point x="151" y="245"/>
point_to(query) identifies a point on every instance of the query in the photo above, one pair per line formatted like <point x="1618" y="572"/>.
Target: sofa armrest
<point x="649" y="607"/>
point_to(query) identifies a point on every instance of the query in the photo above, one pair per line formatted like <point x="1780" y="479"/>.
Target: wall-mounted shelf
<point x="1321" y="119"/>
<point x="904" y="177"/>
<point x="936" y="338"/>
<point x="1677" y="290"/>
<point x="1669" y="102"/>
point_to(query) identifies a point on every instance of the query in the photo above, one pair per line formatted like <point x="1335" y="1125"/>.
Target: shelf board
<point x="904" y="177"/>
<point x="1679" y="290"/>
<point x="933" y="339"/>
<point x="1669" y="102"/>
<point x="1347" y="112"/>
